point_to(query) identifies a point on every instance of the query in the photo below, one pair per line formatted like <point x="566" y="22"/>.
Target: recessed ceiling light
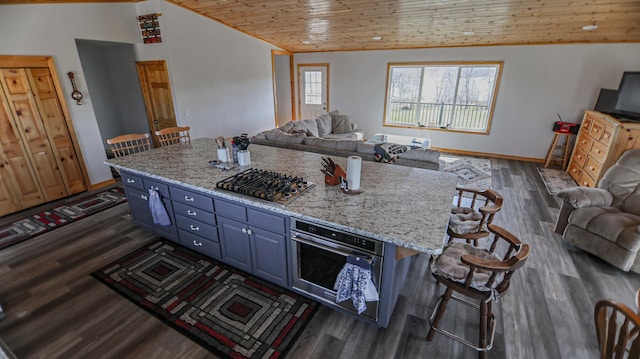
<point x="589" y="27"/>
<point x="306" y="42"/>
<point x="377" y="38"/>
<point x="469" y="33"/>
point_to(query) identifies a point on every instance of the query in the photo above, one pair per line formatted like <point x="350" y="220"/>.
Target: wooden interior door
<point x="32" y="131"/>
<point x="18" y="184"/>
<point x="56" y="129"/>
<point x="158" y="100"/>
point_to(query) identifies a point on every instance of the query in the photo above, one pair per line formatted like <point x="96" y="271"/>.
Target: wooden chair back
<point x="124" y="145"/>
<point x="172" y="135"/>
<point x="487" y="203"/>
<point x="513" y="252"/>
<point x="617" y="328"/>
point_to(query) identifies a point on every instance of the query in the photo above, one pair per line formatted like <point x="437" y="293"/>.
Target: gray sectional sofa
<point x="300" y="136"/>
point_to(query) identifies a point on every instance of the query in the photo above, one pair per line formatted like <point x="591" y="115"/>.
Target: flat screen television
<point x="607" y="101"/>
<point x="628" y="103"/>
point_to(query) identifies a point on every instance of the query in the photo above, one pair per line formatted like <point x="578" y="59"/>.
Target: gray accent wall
<point x="113" y="87"/>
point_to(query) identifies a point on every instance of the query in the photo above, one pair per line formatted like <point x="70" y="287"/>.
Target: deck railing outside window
<point x="455" y="96"/>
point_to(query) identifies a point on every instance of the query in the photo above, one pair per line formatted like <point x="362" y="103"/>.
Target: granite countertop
<point x="402" y="205"/>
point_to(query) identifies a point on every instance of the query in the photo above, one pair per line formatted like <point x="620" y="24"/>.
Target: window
<point x="454" y="96"/>
<point x="313" y="87"/>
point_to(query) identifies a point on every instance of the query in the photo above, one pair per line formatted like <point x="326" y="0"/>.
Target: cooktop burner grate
<point x="267" y="185"/>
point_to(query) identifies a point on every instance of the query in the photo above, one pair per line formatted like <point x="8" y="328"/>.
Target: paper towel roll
<point x="354" y="167"/>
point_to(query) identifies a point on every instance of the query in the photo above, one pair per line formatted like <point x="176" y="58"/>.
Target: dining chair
<point x="127" y="144"/>
<point x="477" y="274"/>
<point x="172" y="135"/>
<point x="617" y="328"/>
<point x="472" y="213"/>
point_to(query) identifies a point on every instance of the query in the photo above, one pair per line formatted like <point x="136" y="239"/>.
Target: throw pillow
<point x="308" y="125"/>
<point x="388" y="152"/>
<point x="324" y="123"/>
<point x="342" y="124"/>
<point x="287" y="126"/>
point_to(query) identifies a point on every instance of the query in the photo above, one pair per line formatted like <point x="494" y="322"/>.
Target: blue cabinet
<point x="254" y="241"/>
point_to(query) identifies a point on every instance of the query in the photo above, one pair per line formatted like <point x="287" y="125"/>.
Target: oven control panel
<point x="337" y="236"/>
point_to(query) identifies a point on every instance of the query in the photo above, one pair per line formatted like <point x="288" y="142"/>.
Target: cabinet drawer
<point x="579" y="157"/>
<point x="585" y="142"/>
<point x="231" y="210"/>
<point x="586" y="124"/>
<point x="192" y="199"/>
<point x="132" y="181"/>
<point x="592" y="168"/>
<point x="162" y="188"/>
<point x="598" y="151"/>
<point x="268" y="221"/>
<point x="586" y="180"/>
<point x="197" y="228"/>
<point x="199" y="244"/>
<point x="597" y="129"/>
<point x="194" y="213"/>
<point x="575" y="171"/>
<point x="607" y="135"/>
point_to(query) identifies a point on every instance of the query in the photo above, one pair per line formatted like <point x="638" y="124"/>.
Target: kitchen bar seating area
<point x="541" y="296"/>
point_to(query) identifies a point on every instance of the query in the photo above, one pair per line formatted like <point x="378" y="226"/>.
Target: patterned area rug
<point x="29" y="227"/>
<point x="556" y="180"/>
<point x="471" y="171"/>
<point x="227" y="311"/>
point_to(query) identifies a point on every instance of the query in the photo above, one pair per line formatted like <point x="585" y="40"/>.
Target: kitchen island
<point x="403" y="207"/>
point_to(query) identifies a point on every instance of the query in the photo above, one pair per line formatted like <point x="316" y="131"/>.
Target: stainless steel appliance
<point x="268" y="185"/>
<point x="318" y="255"/>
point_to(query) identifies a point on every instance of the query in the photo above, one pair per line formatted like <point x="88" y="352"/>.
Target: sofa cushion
<point x="324" y="124"/>
<point x="422" y="154"/>
<point x="308" y="127"/>
<point x="287" y="126"/>
<point x="344" y="136"/>
<point x="348" y="145"/>
<point x="609" y="223"/>
<point x="280" y="136"/>
<point x="367" y="148"/>
<point x="320" y="142"/>
<point x="342" y="124"/>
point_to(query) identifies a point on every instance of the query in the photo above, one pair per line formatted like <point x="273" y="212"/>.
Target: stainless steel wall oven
<point x="318" y="255"/>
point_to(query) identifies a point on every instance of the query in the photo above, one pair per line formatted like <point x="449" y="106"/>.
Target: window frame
<point x="498" y="64"/>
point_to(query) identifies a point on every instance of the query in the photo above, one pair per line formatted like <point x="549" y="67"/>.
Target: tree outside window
<point x="445" y="96"/>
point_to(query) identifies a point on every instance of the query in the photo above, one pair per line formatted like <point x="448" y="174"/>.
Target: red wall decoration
<point x="150" y="28"/>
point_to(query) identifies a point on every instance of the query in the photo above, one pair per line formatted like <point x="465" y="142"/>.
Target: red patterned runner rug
<point x="227" y="311"/>
<point x="33" y="225"/>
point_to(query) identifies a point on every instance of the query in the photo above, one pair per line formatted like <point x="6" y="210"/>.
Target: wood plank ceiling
<point x="324" y="25"/>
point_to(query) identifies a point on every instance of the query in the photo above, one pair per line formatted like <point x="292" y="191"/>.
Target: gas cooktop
<point x="267" y="185"/>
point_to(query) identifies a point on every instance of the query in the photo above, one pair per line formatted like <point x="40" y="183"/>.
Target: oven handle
<point x="297" y="238"/>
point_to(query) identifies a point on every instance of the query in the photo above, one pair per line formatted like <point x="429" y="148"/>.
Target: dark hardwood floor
<point x="56" y="309"/>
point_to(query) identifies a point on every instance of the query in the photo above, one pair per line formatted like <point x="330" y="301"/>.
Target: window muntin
<point x="313" y="87"/>
<point x="448" y="96"/>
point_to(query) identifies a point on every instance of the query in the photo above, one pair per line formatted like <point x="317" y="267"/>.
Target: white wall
<point x="221" y="78"/>
<point x="537" y="82"/>
<point x="51" y="29"/>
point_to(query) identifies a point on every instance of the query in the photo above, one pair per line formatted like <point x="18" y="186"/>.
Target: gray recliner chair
<point x="605" y="221"/>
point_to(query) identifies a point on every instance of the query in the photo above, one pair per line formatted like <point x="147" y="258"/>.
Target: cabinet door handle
<point x="194" y="228"/>
<point x="199" y="244"/>
<point x="244" y="230"/>
<point x="144" y="197"/>
<point x="249" y="232"/>
<point x="188" y="199"/>
<point x="191" y="213"/>
<point x="129" y="180"/>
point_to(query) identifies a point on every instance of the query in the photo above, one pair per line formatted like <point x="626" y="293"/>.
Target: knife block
<point x="335" y="180"/>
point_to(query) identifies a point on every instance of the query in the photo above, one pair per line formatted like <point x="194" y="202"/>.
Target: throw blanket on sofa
<point x="387" y="152"/>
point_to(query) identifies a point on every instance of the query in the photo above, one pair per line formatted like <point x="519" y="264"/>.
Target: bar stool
<point x="565" y="149"/>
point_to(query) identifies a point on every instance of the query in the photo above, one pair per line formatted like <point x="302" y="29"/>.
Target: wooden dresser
<point x="601" y="140"/>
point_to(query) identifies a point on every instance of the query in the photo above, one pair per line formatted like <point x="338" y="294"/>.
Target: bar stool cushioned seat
<point x="449" y="265"/>
<point x="465" y="220"/>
